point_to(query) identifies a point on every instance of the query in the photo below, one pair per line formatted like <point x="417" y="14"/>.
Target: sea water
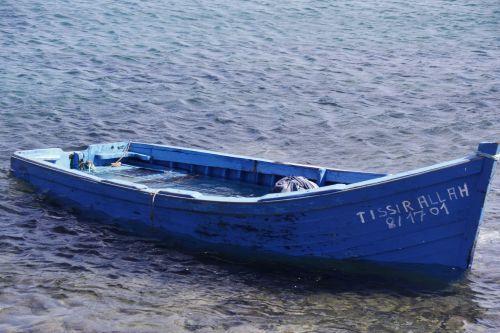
<point x="381" y="86"/>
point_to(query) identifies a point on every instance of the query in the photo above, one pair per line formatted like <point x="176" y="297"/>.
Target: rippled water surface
<point x="373" y="85"/>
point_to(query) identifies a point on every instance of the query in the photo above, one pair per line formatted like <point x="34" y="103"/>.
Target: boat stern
<point x="490" y="153"/>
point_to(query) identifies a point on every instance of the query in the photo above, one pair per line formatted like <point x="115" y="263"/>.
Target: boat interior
<point x="208" y="173"/>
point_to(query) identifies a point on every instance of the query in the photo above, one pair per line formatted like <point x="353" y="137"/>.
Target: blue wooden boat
<point x="428" y="216"/>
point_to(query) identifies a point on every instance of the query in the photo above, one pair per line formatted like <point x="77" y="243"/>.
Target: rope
<point x="493" y="157"/>
<point x="118" y="162"/>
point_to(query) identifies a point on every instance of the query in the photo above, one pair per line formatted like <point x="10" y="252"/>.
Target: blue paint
<point x="427" y="216"/>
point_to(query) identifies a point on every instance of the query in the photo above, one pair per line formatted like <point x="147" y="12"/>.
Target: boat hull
<point x="429" y="217"/>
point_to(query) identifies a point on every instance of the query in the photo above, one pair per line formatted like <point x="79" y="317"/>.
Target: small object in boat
<point x="116" y="164"/>
<point x="88" y="165"/>
<point x="293" y="183"/>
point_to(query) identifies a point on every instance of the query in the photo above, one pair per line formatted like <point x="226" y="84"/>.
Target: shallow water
<point x="369" y="85"/>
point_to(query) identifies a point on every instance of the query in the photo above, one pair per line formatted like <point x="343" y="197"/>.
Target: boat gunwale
<point x="210" y="152"/>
